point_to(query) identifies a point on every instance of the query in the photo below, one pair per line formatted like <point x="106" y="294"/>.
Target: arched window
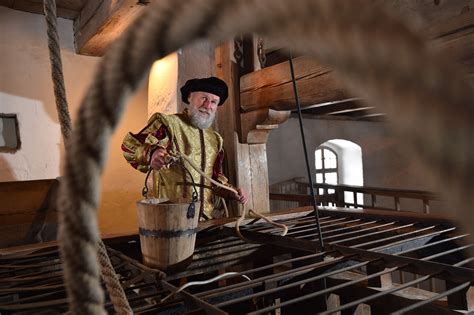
<point x="339" y="162"/>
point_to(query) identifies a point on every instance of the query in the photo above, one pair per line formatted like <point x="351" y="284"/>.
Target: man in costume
<point x="188" y="133"/>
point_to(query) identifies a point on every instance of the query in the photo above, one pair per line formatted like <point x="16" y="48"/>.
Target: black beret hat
<point x="211" y="85"/>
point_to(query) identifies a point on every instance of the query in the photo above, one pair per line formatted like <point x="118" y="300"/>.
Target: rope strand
<point x="417" y="89"/>
<point x="117" y="295"/>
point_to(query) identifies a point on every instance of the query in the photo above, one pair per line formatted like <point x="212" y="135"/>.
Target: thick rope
<point x="376" y="56"/>
<point x="115" y="289"/>
<point x="57" y="68"/>
<point x="116" y="293"/>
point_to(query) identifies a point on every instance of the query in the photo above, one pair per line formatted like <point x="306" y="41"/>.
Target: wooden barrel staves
<point x="167" y="232"/>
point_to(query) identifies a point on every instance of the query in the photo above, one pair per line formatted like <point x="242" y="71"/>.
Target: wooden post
<point x="384" y="281"/>
<point x="374" y="200"/>
<point x="228" y="116"/>
<point x="339" y="197"/>
<point x="463" y="299"/>
<point x="397" y="203"/>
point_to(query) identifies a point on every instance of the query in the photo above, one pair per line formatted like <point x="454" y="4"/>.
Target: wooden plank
<point x="101" y="22"/>
<point x="257" y="125"/>
<point x="259" y="173"/>
<point x="387" y="304"/>
<point x="243" y="173"/>
<point x="427" y="12"/>
<point x="228" y="116"/>
<point x="461" y="300"/>
<point x="21" y="199"/>
<point x="271" y="87"/>
<point x="401" y="193"/>
<point x="458" y="41"/>
<point x="68" y="9"/>
<point x="28" y="211"/>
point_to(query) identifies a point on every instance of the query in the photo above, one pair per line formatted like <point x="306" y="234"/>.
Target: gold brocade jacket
<point x="175" y="133"/>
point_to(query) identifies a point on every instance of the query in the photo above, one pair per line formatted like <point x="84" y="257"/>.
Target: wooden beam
<point x="102" y="22"/>
<point x="68" y="9"/>
<point x="455" y="38"/>
<point x="272" y="88"/>
<point x="421" y="13"/>
<point x="228" y="116"/>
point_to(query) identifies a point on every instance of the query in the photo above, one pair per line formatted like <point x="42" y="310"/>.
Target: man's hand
<point x="159" y="159"/>
<point x="241" y="196"/>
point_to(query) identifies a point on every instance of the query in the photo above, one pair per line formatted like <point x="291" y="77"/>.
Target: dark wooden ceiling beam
<point x="101" y="22"/>
<point x="68" y="9"/>
<point x="272" y="88"/>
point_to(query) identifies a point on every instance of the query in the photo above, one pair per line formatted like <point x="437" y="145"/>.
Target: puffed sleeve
<point x="138" y="147"/>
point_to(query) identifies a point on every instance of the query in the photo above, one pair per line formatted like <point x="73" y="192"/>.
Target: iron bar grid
<point x="360" y="254"/>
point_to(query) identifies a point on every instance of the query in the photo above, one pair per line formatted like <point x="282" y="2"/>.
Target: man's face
<point x="202" y="108"/>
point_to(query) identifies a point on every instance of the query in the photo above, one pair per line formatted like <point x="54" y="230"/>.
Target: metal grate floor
<point x="371" y="263"/>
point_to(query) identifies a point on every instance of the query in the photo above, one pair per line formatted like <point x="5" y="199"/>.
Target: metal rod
<point x="295" y="284"/>
<point x="322" y="227"/>
<point x="432" y="299"/>
<point x="307" y="226"/>
<point x="266" y="279"/>
<point x="394" y="237"/>
<point x="380" y="294"/>
<point x="328" y="290"/>
<point x="310" y="177"/>
<point x="373" y="233"/>
<point x="411" y="239"/>
<point x="259" y="269"/>
<point x="431" y="244"/>
<point x="447" y="252"/>
<point x="361" y="230"/>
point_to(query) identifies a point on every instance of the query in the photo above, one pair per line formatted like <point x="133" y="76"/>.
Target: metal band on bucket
<point x="166" y="233"/>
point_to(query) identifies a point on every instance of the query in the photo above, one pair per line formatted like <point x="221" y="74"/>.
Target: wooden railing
<point x="297" y="193"/>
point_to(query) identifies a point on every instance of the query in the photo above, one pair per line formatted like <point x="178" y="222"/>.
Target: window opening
<point x="326" y="169"/>
<point x="9" y="133"/>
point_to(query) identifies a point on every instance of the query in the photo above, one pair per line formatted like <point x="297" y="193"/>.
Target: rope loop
<point x="373" y="53"/>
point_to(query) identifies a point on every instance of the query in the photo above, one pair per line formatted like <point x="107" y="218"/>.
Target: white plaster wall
<point x="386" y="161"/>
<point x="38" y="156"/>
<point x="26" y="88"/>
<point x="162" y="86"/>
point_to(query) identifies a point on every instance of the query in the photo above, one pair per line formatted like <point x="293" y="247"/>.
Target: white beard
<point x="200" y="120"/>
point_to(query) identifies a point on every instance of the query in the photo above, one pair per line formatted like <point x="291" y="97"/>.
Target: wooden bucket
<point x="167" y="232"/>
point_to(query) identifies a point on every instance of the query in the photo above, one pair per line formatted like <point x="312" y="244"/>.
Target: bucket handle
<point x="145" y="187"/>
<point x="194" y="196"/>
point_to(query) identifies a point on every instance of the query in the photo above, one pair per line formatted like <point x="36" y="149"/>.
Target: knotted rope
<point x="116" y="293"/>
<point x="376" y="56"/>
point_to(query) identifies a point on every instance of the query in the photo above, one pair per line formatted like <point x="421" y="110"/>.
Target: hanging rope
<point x="117" y="295"/>
<point x="112" y="283"/>
<point x="57" y="68"/>
<point x="375" y="55"/>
